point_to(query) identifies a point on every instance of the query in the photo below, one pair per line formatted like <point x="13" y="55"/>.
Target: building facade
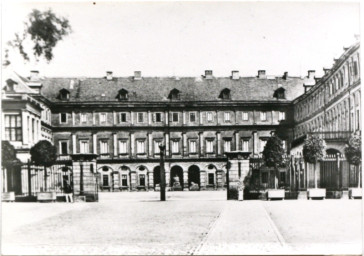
<point x="123" y="120"/>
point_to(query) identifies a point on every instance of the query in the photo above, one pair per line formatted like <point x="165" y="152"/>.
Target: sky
<point x="186" y="38"/>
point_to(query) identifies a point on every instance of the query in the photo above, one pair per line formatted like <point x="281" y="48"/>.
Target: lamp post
<point x="162" y="173"/>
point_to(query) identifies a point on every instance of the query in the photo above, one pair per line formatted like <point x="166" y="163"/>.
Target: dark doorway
<point x="193" y="175"/>
<point x="14" y="179"/>
<point x="157" y="175"/>
<point x="331" y="152"/>
<point x="176" y="175"/>
<point x="142" y="180"/>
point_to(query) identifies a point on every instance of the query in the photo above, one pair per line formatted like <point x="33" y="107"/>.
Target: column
<point x="203" y="180"/>
<point x="200" y="134"/>
<point x="168" y="174"/>
<point x="184" y="144"/>
<point x="39" y="132"/>
<point x="25" y="127"/>
<point x="166" y="117"/>
<point x="73" y="117"/>
<point x="201" y="121"/>
<point x="114" y="118"/>
<point x="132" y="149"/>
<point x="74" y="144"/>
<point x="236" y="141"/>
<point x="151" y="180"/>
<point x="149" y="118"/>
<point x="184" y="117"/>
<point x="167" y="144"/>
<point x="94" y="143"/>
<point x="150" y="145"/>
<point x="133" y="180"/>
<point x="93" y="118"/>
<point x="30" y="138"/>
<point x="185" y="180"/>
<point x="115" y="144"/>
<point x="218" y="143"/>
<point x="131" y="117"/>
<point x="255" y="143"/>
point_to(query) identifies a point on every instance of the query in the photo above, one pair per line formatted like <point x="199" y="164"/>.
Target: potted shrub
<point x="44" y="154"/>
<point x="273" y="155"/>
<point x="313" y="151"/>
<point x="353" y="155"/>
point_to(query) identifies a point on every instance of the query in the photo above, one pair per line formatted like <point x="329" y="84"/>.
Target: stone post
<point x="203" y="180"/>
<point x="237" y="171"/>
<point x="185" y="180"/>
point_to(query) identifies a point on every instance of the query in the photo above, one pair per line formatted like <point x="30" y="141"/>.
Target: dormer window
<point x="64" y="94"/>
<point x="225" y="94"/>
<point x="174" y="95"/>
<point x="280" y="93"/>
<point x="122" y="95"/>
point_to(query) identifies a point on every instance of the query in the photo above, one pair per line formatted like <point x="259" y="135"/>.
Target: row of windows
<point x="157" y="117"/>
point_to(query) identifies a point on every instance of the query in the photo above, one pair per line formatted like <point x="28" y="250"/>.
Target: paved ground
<point x="187" y="223"/>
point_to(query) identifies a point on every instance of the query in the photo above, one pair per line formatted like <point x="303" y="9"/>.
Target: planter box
<point x="355" y="193"/>
<point x="47" y="196"/>
<point x="8" y="197"/>
<point x="276" y="194"/>
<point x="316" y="193"/>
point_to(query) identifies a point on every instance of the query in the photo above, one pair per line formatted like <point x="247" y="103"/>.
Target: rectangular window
<point x="226" y="117"/>
<point x="102" y="117"/>
<point x="209" y="116"/>
<point x="83" y="118"/>
<point x="105" y="180"/>
<point x="175" y="146"/>
<point x="13" y="128"/>
<point x="124" y="180"/>
<point x="209" y="146"/>
<point x="63" y="118"/>
<point x="104" y="147"/>
<point x="140" y="147"/>
<point x="192" y="117"/>
<point x="357" y="119"/>
<point x="122" y="117"/>
<point x="158" y="117"/>
<point x="156" y="147"/>
<point x="64" y="148"/>
<point x="123" y="147"/>
<point x="245" y="145"/>
<point x="141" y="179"/>
<point x="227" y="145"/>
<point x="211" y="179"/>
<point x="174" y="117"/>
<point x="84" y="146"/>
<point x="140" y="117"/>
<point x="193" y="147"/>
<point x="355" y="68"/>
<point x="263" y="116"/>
<point x="245" y="116"/>
<point x="281" y="116"/>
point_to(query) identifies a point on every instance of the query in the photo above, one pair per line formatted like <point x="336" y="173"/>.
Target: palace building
<point x="123" y="120"/>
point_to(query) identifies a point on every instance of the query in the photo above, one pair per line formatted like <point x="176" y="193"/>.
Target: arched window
<point x="225" y="94"/>
<point x="174" y="94"/>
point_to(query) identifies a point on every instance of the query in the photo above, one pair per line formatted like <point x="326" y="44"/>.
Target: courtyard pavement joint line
<point x="211" y="227"/>
<point x="275" y="228"/>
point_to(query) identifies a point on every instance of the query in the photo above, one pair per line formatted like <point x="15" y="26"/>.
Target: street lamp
<point x="162" y="173"/>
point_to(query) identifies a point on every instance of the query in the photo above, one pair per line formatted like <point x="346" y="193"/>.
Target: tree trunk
<point x="276" y="179"/>
<point x="45" y="179"/>
<point x="358" y="167"/>
<point x="315" y="174"/>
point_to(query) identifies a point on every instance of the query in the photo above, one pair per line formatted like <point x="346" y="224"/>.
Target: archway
<point x="193" y="175"/>
<point x="157" y="176"/>
<point x="67" y="176"/>
<point x="106" y="178"/>
<point x="331" y="152"/>
<point x="176" y="176"/>
<point x="142" y="177"/>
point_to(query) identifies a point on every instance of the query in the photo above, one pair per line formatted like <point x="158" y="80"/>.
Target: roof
<point x="157" y="89"/>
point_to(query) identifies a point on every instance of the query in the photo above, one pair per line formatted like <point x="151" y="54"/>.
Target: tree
<point x="45" y="154"/>
<point x="353" y="153"/>
<point x="44" y="30"/>
<point x="313" y="151"/>
<point x="8" y="155"/>
<point x="273" y="155"/>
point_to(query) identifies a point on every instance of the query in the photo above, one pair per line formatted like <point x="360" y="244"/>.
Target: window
<point x="282" y="177"/>
<point x="63" y="118"/>
<point x="192" y="117"/>
<point x="102" y="117"/>
<point x="175" y="146"/>
<point x="13" y="128"/>
<point x="225" y="94"/>
<point x="140" y="117"/>
<point x="209" y="117"/>
<point x="174" y="117"/>
<point x="105" y="180"/>
<point x="193" y="146"/>
<point x="245" y="116"/>
<point x="64" y="94"/>
<point x="142" y="179"/>
<point x="174" y="94"/>
<point x="226" y="117"/>
<point x="355" y="68"/>
<point x="279" y="93"/>
<point x="123" y="147"/>
<point x="156" y="147"/>
<point x="227" y="145"/>
<point x="140" y="147"/>
<point x="84" y="146"/>
<point x="122" y="95"/>
<point x="158" y="117"/>
<point x="282" y="116"/>
<point x="83" y="118"/>
<point x="245" y="145"/>
<point x="357" y="119"/>
<point x="209" y="146"/>
<point x="211" y="179"/>
<point x="264" y="177"/>
<point x="122" y="117"/>
<point x="64" y="148"/>
<point x="124" y="180"/>
<point x="263" y="116"/>
<point x="104" y="147"/>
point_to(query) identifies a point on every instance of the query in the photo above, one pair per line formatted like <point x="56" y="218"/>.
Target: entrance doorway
<point x="176" y="175"/>
<point x="157" y="176"/>
<point x="193" y="175"/>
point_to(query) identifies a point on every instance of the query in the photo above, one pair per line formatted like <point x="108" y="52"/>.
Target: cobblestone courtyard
<point x="187" y="223"/>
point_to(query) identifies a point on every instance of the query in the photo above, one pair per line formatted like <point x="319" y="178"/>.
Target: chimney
<point x="72" y="83"/>
<point x="208" y="74"/>
<point x="311" y="74"/>
<point x="235" y="75"/>
<point x="109" y="75"/>
<point x="261" y="74"/>
<point x="34" y="75"/>
<point x="285" y="76"/>
<point x="137" y="75"/>
<point x="326" y="70"/>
